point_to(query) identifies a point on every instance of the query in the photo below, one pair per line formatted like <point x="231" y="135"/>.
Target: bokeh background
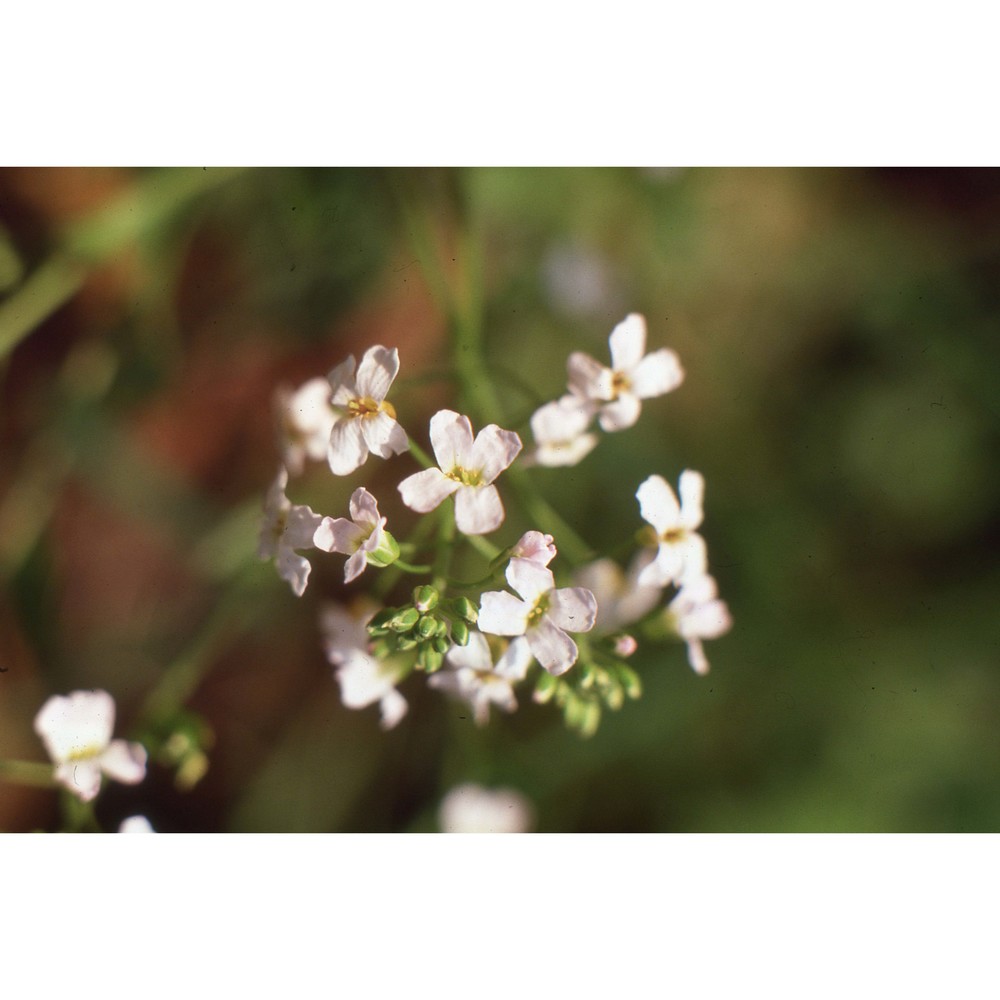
<point x="839" y="330"/>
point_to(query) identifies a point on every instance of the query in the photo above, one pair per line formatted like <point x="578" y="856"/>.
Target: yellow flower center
<point x="84" y="753"/>
<point x="467" y="477"/>
<point x="365" y="406"/>
<point x="536" y="613"/>
<point x="620" y="383"/>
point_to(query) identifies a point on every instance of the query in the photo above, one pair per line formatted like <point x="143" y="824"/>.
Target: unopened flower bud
<point x="460" y="632"/>
<point x="466" y="609"/>
<point x="630" y="681"/>
<point x="545" y="688"/>
<point x="427" y="627"/>
<point x="430" y="659"/>
<point x="625" y="645"/>
<point x="425" y="597"/>
<point x="404" y="620"/>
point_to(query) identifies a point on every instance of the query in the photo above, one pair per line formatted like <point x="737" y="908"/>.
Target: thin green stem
<point x="410" y="568"/>
<point x="446" y="536"/>
<point x="27" y="772"/>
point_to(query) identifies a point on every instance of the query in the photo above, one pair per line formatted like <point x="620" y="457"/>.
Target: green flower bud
<point x="545" y="688"/>
<point x="614" y="697"/>
<point x="386" y="553"/>
<point x="404" y="620"/>
<point x="630" y="681"/>
<point x="405" y="643"/>
<point x="466" y="609"/>
<point x="430" y="659"/>
<point x="380" y="621"/>
<point x="425" y="597"/>
<point x="427" y="627"/>
<point x="460" y="632"/>
<point x="441" y="644"/>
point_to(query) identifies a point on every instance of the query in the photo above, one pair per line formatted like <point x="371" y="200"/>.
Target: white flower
<point x="364" y="679"/>
<point x="467" y="469"/>
<point x="632" y="377"/>
<point x="306" y="420"/>
<point x="76" y="731"/>
<point x="543" y="616"/>
<point x="287" y="527"/>
<point x="621" y="600"/>
<point x="136" y="824"/>
<point x="471" y="808"/>
<point x="560" y="432"/>
<point x="367" y="421"/>
<point x="357" y="538"/>
<point x="473" y="676"/>
<point x="681" y="550"/>
<point x="535" y="547"/>
<point x="696" y="613"/>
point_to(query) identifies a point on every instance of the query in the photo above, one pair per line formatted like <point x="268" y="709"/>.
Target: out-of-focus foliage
<point x="840" y="331"/>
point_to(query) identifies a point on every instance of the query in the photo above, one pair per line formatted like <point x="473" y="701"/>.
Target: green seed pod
<point x="460" y="632"/>
<point x="425" y="597"/>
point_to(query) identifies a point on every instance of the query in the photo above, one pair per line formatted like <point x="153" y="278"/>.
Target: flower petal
<point x="80" y="721"/>
<point x="657" y="373"/>
<point x="536" y="547"/>
<point x="692" y="490"/>
<point x="293" y="568"/>
<point x="393" y="707"/>
<point x="378" y="368"/>
<point x="423" y="491"/>
<point x="589" y="378"/>
<point x="493" y="451"/>
<point x="501" y="613"/>
<point x="300" y="528"/>
<point x="529" y="579"/>
<point x="658" y="505"/>
<point x="451" y="439"/>
<point x="628" y="342"/>
<point x="355" y="565"/>
<point x="81" y="777"/>
<point x="383" y="435"/>
<point x="124" y="761"/>
<point x="475" y="655"/>
<point x="552" y="647"/>
<point x="339" y="535"/>
<point x="364" y="508"/>
<point x="697" y="657"/>
<point x="621" y="414"/>
<point x="573" y="609"/>
<point x="478" y="509"/>
<point x="514" y="663"/>
<point x="342" y="385"/>
<point x="348" y="449"/>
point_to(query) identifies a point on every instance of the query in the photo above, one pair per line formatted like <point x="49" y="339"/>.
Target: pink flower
<point x="76" y="730"/>
<point x="467" y="469"/>
<point x="560" y="431"/>
<point x="632" y="377"/>
<point x="287" y="527"/>
<point x="680" y="550"/>
<point x="362" y="539"/>
<point x="696" y="613"/>
<point x="367" y="420"/>
<point x="306" y="420"/>
<point x="543" y="614"/>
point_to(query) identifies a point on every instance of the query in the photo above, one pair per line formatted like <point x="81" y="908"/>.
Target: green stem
<point x="410" y="568"/>
<point x="52" y="285"/>
<point x="446" y="537"/>
<point x="26" y="772"/>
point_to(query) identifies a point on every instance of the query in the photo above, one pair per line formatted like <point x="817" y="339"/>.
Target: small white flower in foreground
<point x="467" y="469"/>
<point x="136" y="824"/>
<point x="362" y="538"/>
<point x="621" y="599"/>
<point x="696" y="613"/>
<point x="681" y="551"/>
<point x="473" y="677"/>
<point x="560" y="432"/>
<point x="306" y="419"/>
<point x="287" y="527"/>
<point x="471" y="808"/>
<point x="632" y="377"/>
<point x="535" y="547"/>
<point x="543" y="615"/>
<point x="367" y="421"/>
<point x="76" y="730"/>
<point x="364" y="679"/>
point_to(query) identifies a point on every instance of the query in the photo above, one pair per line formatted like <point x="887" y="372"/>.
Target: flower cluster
<point x="565" y="631"/>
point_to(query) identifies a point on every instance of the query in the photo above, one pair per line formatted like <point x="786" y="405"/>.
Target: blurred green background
<point x="839" y="331"/>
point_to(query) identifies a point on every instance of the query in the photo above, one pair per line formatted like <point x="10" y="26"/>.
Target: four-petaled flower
<point x="305" y="419"/>
<point x="632" y="377"/>
<point x="287" y="527"/>
<point x="560" y="431"/>
<point x="364" y="678"/>
<point x="474" y="677"/>
<point x="359" y="538"/>
<point x="467" y="469"/>
<point x="543" y="614"/>
<point x="681" y="551"/>
<point x="366" y="419"/>
<point x="76" y="730"/>
<point x="696" y="613"/>
<point x="621" y="600"/>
